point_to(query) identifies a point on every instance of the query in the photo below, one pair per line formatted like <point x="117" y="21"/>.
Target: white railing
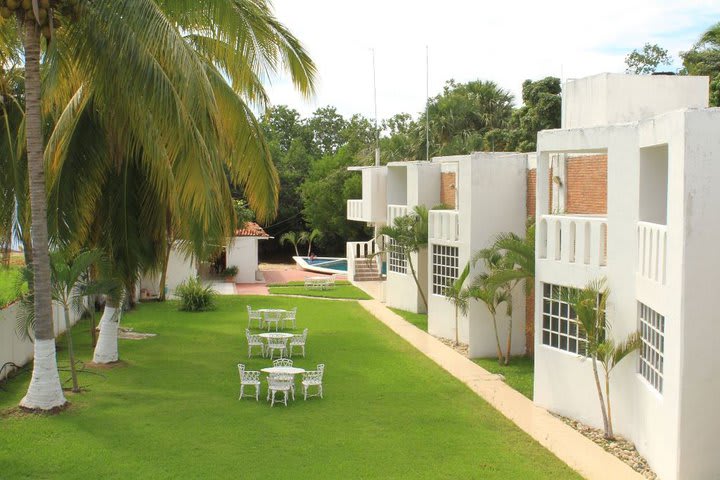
<point x="444" y="225"/>
<point x="652" y="251"/>
<point x="573" y="239"/>
<point x="395" y="211"/>
<point x="355" y="250"/>
<point x="355" y="210"/>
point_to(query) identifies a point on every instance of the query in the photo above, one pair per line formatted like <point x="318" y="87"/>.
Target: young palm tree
<point x="293" y="239"/>
<point x="410" y="235"/>
<point x="459" y="296"/>
<point x="309" y="238"/>
<point x="589" y="305"/>
<point x="493" y="297"/>
<point x="139" y="94"/>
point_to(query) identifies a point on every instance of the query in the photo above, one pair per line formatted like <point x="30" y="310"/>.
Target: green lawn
<point x="418" y="319"/>
<point x="172" y="410"/>
<point x="343" y="289"/>
<point x="8" y="284"/>
<point x="519" y="374"/>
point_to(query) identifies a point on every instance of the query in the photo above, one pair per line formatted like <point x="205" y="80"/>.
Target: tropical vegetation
<point x="195" y="296"/>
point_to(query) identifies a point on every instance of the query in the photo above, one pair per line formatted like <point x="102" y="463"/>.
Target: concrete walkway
<point x="579" y="452"/>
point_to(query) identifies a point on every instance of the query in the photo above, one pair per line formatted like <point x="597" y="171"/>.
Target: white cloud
<point x="506" y="41"/>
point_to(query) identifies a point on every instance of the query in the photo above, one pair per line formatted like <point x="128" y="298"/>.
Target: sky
<point x="506" y="41"/>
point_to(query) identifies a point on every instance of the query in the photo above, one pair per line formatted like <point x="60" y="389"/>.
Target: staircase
<point x="366" y="270"/>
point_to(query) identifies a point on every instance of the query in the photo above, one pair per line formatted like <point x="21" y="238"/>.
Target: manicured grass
<point x="8" y="284"/>
<point x="343" y="289"/>
<point x="519" y="374"/>
<point x="172" y="410"/>
<point x="418" y="319"/>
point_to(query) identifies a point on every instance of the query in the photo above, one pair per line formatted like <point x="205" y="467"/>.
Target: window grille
<point x="396" y="258"/>
<point x="444" y="268"/>
<point x="652" y="335"/>
<point x="560" y="328"/>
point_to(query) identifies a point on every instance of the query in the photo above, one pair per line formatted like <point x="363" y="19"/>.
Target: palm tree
<point x="410" y="235"/>
<point x="493" y="297"/>
<point x="459" y="296"/>
<point x="138" y="97"/>
<point x="293" y="239"/>
<point x="589" y="305"/>
<point x="310" y="237"/>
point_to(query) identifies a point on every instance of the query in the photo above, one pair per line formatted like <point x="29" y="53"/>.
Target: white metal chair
<point x="254" y="315"/>
<point x="298" y="341"/>
<point x="313" y="378"/>
<point x="279" y="383"/>
<point x="289" y="317"/>
<point x="276" y="343"/>
<point x="254" y="341"/>
<point x="249" y="378"/>
<point x="272" y="317"/>
<point x="282" y="362"/>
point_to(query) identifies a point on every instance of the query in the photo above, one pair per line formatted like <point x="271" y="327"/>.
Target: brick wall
<point x="447" y="189"/>
<point x="586" y="185"/>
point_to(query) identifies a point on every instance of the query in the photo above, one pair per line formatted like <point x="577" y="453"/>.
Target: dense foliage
<point x="195" y="297"/>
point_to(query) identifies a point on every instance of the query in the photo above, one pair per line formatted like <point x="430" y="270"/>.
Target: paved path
<point x="579" y="452"/>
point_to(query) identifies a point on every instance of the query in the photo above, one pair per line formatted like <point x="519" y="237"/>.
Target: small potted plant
<point x="230" y="273"/>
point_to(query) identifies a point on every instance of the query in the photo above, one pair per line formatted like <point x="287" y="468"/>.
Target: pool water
<point x="333" y="263"/>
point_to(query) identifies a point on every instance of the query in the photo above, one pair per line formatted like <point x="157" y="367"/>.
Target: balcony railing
<point x="395" y="211"/>
<point x="355" y="210"/>
<point x="652" y="251"/>
<point x="444" y="225"/>
<point x="572" y="239"/>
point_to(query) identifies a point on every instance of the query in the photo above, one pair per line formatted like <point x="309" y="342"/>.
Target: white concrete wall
<point x="20" y="352"/>
<point x="374" y="194"/>
<point x="609" y="98"/>
<point x="181" y="267"/>
<point x="242" y="252"/>
<point x="484" y="181"/>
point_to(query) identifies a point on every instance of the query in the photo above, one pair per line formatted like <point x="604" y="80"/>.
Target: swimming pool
<point x="326" y="264"/>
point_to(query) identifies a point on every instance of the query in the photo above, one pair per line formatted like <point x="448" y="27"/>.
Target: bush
<point x="231" y="271"/>
<point x="194" y="296"/>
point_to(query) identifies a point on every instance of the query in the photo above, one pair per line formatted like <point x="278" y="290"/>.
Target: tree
<point x="647" y="61"/>
<point x="294" y="239"/>
<point x="459" y="296"/>
<point x="589" y="307"/>
<point x="309" y="238"/>
<point x="541" y="110"/>
<point x="704" y="59"/>
<point x="409" y="234"/>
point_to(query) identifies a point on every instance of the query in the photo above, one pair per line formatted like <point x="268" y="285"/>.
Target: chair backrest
<point x="279" y="381"/>
<point x="304" y="334"/>
<point x="241" y="369"/>
<point x="312" y="376"/>
<point x="321" y="368"/>
<point x="276" y="341"/>
<point x="291" y="314"/>
<point x="273" y="316"/>
<point x="283" y="362"/>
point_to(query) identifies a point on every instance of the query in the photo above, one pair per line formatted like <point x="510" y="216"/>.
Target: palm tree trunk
<point x="600" y="396"/>
<point x="457" y="342"/>
<point x="106" y="350"/>
<point x="408" y="255"/>
<point x="71" y="351"/>
<point x="497" y="341"/>
<point x="163" y="275"/>
<point x="45" y="391"/>
<point x="609" y="434"/>
<point x="509" y="342"/>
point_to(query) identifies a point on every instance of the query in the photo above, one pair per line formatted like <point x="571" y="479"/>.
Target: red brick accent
<point x="448" y="188"/>
<point x="586" y="185"/>
<point x="531" y="186"/>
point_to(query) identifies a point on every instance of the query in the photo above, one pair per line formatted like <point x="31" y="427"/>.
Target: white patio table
<point x="275" y="335"/>
<point x="283" y="370"/>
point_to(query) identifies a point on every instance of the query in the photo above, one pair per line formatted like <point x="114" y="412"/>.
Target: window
<point x="396" y="258"/>
<point x="444" y="268"/>
<point x="560" y="329"/>
<point x="652" y="334"/>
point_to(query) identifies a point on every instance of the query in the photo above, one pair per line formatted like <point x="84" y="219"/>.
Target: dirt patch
<point x="461" y="348"/>
<point x="22" y="412"/>
<point x="107" y="366"/>
<point x="129" y="334"/>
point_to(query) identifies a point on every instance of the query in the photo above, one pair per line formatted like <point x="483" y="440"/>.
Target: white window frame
<point x="559" y="327"/>
<point x="445" y="267"/>
<point x="651" y="325"/>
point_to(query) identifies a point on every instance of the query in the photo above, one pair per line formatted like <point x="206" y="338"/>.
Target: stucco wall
<point x="180" y="268"/>
<point x="242" y="252"/>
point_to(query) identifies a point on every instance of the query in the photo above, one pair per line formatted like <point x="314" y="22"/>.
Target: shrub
<point x="231" y="271"/>
<point x="194" y="296"/>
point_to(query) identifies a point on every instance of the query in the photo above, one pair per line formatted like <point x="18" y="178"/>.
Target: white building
<point x="486" y="193"/>
<point x="655" y="246"/>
